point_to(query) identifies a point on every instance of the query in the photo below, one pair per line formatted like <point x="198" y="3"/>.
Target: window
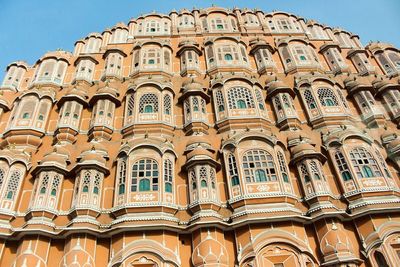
<point x="203" y="177"/>
<point x="97" y="179"/>
<point x="327" y="97"/>
<point x="241" y="104"/>
<point x="309" y="98"/>
<point x="228" y="57"/>
<point x="45" y="182"/>
<point x="55" y="185"/>
<point x="258" y="166"/>
<point x="195" y="102"/>
<point x="13" y="184"/>
<point x="283" y="167"/>
<point x="145" y="171"/>
<point x="316" y="170"/>
<point x="259" y="99"/>
<point x="227" y="53"/>
<point x="364" y="164"/>
<point x="168" y="175"/>
<point x="240" y="97"/>
<point x="342" y="166"/>
<point x="167" y="104"/>
<point x="380" y="259"/>
<point x="304" y="173"/>
<point x="220" y="101"/>
<point x="148" y="103"/>
<point x="130" y="105"/>
<point x="121" y="176"/>
<point x="86" y="182"/>
<point x="233" y="172"/>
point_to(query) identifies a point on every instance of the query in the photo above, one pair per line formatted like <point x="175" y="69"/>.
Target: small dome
<point x="94" y="34"/>
<point x="59" y="54"/>
<point x="274" y="85"/>
<point x="198" y="139"/>
<point x="293" y="136"/>
<point x="93" y="156"/>
<point x="108" y="90"/>
<point x="394" y="143"/>
<point x="94" y="146"/>
<point x="192" y="85"/>
<point x="199" y="151"/>
<point x="77" y="91"/>
<point x="210" y="253"/>
<point x="120" y="25"/>
<point x="303" y="148"/>
<point x="59" y="156"/>
<point x="335" y="242"/>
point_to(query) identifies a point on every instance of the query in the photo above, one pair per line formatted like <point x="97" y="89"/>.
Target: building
<point x="212" y="137"/>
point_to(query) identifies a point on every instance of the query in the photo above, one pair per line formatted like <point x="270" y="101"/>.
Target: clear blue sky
<point x="30" y="28"/>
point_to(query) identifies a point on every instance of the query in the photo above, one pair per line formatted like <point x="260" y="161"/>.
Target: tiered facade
<point x="204" y="138"/>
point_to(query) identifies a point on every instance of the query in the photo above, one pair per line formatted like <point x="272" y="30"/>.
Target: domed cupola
<point x="71" y="106"/>
<point x="390" y="92"/>
<point x="49" y="176"/>
<point x="104" y="103"/>
<point x="281" y="96"/>
<point x="262" y="52"/>
<point x="201" y="168"/>
<point x="189" y="53"/>
<point x="194" y="99"/>
<point x="90" y="171"/>
<point x="308" y="162"/>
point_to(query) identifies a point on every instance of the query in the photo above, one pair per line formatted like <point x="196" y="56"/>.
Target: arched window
<point x="54" y="185"/>
<point x="13" y="184"/>
<point x="304" y="173"/>
<point x="2" y="175"/>
<point x="203" y="106"/>
<point x="240" y="97"/>
<point x="86" y="182"/>
<point x="220" y="101"/>
<point x="203" y="177"/>
<point x="122" y="176"/>
<point x="148" y="103"/>
<point x="258" y="166"/>
<point x="27" y="109"/>
<point x="259" y="99"/>
<point x="233" y="172"/>
<point x="283" y="167"/>
<point x="327" y="97"/>
<point x="168" y="175"/>
<point x="195" y="102"/>
<point x="96" y="186"/>
<point x="228" y="57"/>
<point x="309" y="98"/>
<point x="342" y="166"/>
<point x="316" y="170"/>
<point x="167" y="104"/>
<point x="380" y="259"/>
<point x="193" y="180"/>
<point x="145" y="174"/>
<point x="43" y="186"/>
<point x="241" y="103"/>
<point x="130" y="106"/>
<point x="382" y="163"/>
<point x="363" y="163"/>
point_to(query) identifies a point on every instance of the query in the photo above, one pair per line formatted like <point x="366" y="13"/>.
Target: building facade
<point x="211" y="137"/>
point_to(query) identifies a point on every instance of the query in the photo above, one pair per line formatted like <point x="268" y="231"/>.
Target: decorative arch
<point x="152" y="249"/>
<point x="271" y="237"/>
